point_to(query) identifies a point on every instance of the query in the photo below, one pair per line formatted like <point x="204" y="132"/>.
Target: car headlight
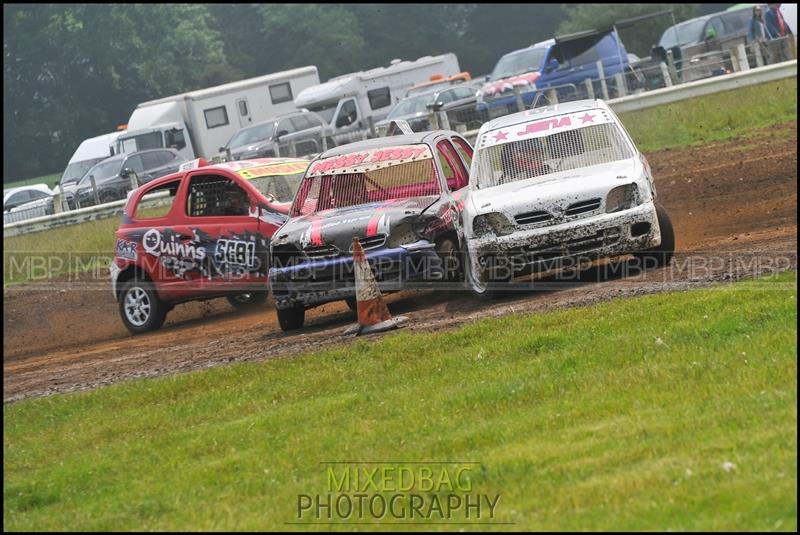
<point x="622" y="198"/>
<point x="491" y="223"/>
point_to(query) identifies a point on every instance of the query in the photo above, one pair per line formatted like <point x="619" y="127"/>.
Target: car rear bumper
<point x="332" y="279"/>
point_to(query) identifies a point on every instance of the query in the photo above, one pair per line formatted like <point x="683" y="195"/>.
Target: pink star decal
<point x="587" y="119"/>
<point x="500" y="135"/>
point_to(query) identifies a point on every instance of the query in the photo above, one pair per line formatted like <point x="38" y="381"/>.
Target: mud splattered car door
<point x="221" y="220"/>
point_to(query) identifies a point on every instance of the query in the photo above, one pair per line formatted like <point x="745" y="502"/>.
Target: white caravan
<point x="88" y="153"/>
<point x="198" y="123"/>
<point x="349" y="102"/>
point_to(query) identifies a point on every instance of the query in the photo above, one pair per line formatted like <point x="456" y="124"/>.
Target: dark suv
<point x="113" y="175"/>
<point x="299" y="133"/>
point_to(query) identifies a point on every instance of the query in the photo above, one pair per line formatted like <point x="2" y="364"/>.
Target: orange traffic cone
<point x="373" y="315"/>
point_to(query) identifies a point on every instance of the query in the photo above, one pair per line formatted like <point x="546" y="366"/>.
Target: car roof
<point x="388" y="141"/>
<point x="542" y="113"/>
<point x="277" y="118"/>
<point x="232" y="167"/>
<point x="36" y="187"/>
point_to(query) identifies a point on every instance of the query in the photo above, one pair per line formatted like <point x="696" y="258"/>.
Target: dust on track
<point x="733" y="205"/>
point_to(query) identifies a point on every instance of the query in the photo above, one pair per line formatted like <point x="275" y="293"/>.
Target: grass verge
<point x="718" y="117"/>
<point x="675" y="411"/>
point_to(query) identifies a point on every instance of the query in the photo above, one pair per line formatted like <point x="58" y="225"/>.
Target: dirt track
<point x="733" y="205"/>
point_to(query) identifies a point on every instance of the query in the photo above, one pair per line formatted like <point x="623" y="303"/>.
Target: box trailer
<point x="352" y="102"/>
<point x="198" y="123"/>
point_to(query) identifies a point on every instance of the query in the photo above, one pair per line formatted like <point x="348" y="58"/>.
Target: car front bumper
<point x="543" y="248"/>
<point x="332" y="279"/>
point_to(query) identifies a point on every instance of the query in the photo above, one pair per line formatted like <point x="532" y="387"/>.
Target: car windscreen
<point x="76" y="170"/>
<point x="410" y="105"/>
<point x="325" y="111"/>
<point x="371" y="176"/>
<point x="541" y="155"/>
<point x="251" y="135"/>
<point x="281" y="187"/>
<point x="682" y="34"/>
<point x="519" y="63"/>
<point x="102" y="171"/>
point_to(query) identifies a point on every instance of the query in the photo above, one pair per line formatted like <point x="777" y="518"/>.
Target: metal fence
<point x="647" y="75"/>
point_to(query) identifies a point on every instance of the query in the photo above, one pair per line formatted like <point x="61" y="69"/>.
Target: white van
<point x="88" y="153"/>
<point x="198" y="123"/>
<point x="351" y="101"/>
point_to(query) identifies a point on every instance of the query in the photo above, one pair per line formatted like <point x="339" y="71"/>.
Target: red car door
<point x="215" y="246"/>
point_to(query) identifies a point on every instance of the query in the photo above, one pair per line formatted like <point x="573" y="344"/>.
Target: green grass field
<point x="717" y="117"/>
<point x="676" y="411"/>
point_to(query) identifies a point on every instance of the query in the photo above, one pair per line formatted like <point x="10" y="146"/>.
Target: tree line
<point x="73" y="71"/>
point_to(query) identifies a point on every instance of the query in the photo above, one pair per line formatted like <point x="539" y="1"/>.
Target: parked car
<point x="698" y="30"/>
<point x="305" y="129"/>
<point x="551" y="184"/>
<point x="113" y="175"/>
<point x="208" y="238"/>
<point x="400" y="195"/>
<point x="697" y="44"/>
<point x="26" y="202"/>
<point x="415" y="109"/>
<point x="563" y="62"/>
<point x="14" y="197"/>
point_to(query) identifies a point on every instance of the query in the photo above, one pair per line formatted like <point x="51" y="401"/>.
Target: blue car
<point x="563" y="63"/>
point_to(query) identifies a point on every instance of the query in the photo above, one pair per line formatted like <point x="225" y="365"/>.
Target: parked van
<point x="349" y="102"/>
<point x="88" y="153"/>
<point x="197" y="123"/>
<point x="556" y="62"/>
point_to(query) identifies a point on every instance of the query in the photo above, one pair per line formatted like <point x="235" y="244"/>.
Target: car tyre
<point x="485" y="291"/>
<point x="291" y="319"/>
<point x="662" y="254"/>
<point x="248" y="301"/>
<point x="140" y="307"/>
<point x="452" y="260"/>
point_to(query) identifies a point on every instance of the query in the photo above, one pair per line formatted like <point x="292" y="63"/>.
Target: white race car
<point x="558" y="184"/>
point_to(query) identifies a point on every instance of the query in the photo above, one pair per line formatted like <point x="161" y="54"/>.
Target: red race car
<point x="201" y="233"/>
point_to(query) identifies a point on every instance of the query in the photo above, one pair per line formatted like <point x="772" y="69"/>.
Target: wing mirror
<point x="552" y="64"/>
<point x="126" y="173"/>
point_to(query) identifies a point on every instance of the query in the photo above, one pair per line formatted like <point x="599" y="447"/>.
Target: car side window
<point x="454" y="172"/>
<point x="715" y="29"/>
<point x="464" y="150"/>
<point x="463" y="92"/>
<point x="445" y="97"/>
<point x="347" y="114"/>
<point x="301" y="122"/>
<point x="135" y="163"/>
<point x="285" y="127"/>
<point x="150" y="161"/>
<point x="157" y="201"/>
<point x="214" y="195"/>
<point x="36" y="195"/>
<point x="18" y="198"/>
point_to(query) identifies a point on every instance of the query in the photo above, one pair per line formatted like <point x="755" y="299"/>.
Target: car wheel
<point x="662" y="254"/>
<point x="452" y="260"/>
<point x="140" y="307"/>
<point x="248" y="300"/>
<point x="291" y="318"/>
<point x="483" y="290"/>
